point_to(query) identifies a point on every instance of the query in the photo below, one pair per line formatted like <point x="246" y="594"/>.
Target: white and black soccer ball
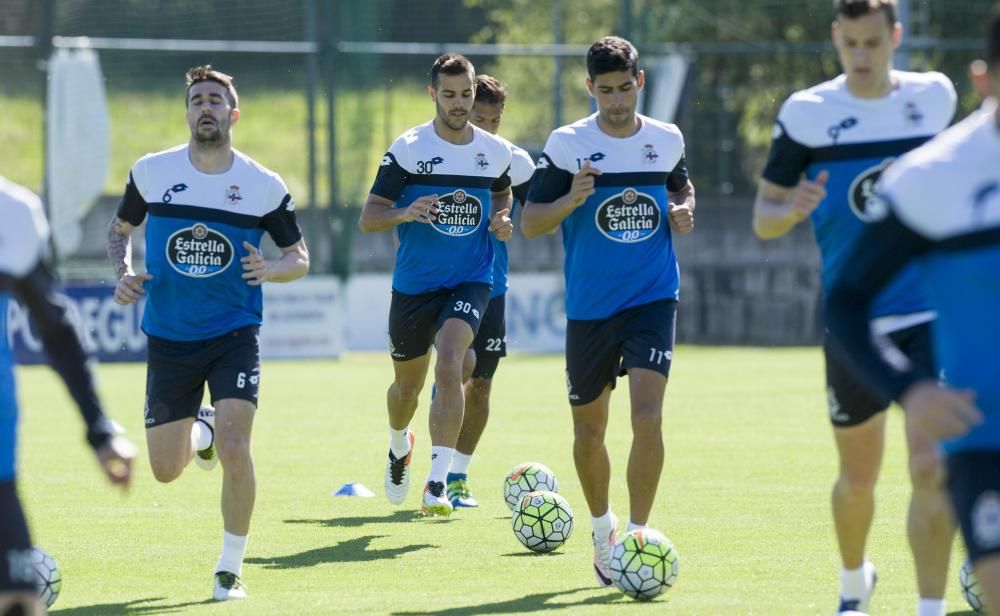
<point x="47" y="575"/>
<point x="542" y="521"/>
<point x="971" y="589"/>
<point x="527" y="477"/>
<point x="644" y="564"/>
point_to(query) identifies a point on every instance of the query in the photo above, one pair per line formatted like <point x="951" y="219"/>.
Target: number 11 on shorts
<point x="657" y="357"/>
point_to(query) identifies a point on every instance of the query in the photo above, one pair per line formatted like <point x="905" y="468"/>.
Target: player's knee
<point x="234" y="451"/>
<point x="479" y="389"/>
<point x="406" y="390"/>
<point x="926" y="472"/>
<point x="589" y="434"/>
<point x="166" y="470"/>
<point x="647" y="420"/>
<point x="858" y="479"/>
<point x="448" y="367"/>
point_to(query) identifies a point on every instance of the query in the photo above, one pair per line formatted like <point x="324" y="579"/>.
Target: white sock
<point x="201" y="434"/>
<point x="440" y="463"/>
<point x="460" y="462"/>
<point x="231" y="560"/>
<point x="853" y="584"/>
<point x="602" y="524"/>
<point x="931" y="607"/>
<point x="398" y="442"/>
<point x="633" y="526"/>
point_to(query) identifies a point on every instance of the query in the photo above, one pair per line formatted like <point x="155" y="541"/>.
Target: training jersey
<point x="617" y="244"/>
<point x="521" y="170"/>
<point x="194" y="240"/>
<point x="826" y="128"/>
<point x="455" y="248"/>
<point x="940" y="209"/>
<point x="23" y="240"/>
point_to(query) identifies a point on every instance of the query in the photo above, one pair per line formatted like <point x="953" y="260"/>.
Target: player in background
<point x="617" y="185"/>
<point x="443" y="187"/>
<point x="24" y="236"/>
<point x="939" y="208"/>
<point x="208" y="206"/>
<point x="831" y="143"/>
<point x="490" y="345"/>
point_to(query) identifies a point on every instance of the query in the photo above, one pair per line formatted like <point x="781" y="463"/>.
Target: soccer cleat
<point x="228" y="586"/>
<point x="397" y="474"/>
<point x="435" y="502"/>
<point x="860" y="605"/>
<point x="458" y="491"/>
<point x="206" y="458"/>
<point x="603" y="546"/>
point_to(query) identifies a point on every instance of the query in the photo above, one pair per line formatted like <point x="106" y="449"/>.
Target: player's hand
<point x="938" y="412"/>
<point x="255" y="269"/>
<point x="129" y="288"/>
<point x="501" y="225"/>
<point x="116" y="457"/>
<point x="583" y="184"/>
<point x="808" y="194"/>
<point x="681" y="217"/>
<point x="424" y="209"/>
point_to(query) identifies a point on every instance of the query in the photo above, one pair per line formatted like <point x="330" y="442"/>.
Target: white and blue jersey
<point x="23" y="239"/>
<point x="939" y="210"/>
<point x="521" y="170"/>
<point x="619" y="252"/>
<point x="455" y="248"/>
<point x="826" y="128"/>
<point x="194" y="240"/>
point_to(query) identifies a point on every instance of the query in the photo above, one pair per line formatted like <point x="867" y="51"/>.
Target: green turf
<point x="743" y="496"/>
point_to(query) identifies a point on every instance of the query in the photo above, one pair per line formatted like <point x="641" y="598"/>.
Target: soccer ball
<point x="47" y="576"/>
<point x="542" y="521"/>
<point x="971" y="589"/>
<point x="644" y="564"/>
<point x="527" y="477"/>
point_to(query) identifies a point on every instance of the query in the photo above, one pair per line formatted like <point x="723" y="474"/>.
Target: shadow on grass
<point x="529" y="603"/>
<point x="139" y="606"/>
<point x="350" y="551"/>
<point x="964" y="613"/>
<point x="393" y="518"/>
<point x="526" y="553"/>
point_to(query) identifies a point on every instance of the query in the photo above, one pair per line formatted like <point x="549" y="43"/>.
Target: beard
<point x="620" y="117"/>
<point x="451" y="121"/>
<point x="215" y="137"/>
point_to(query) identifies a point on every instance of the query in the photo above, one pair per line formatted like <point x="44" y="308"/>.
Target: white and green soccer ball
<point x="542" y="521"/>
<point x="644" y="563"/>
<point x="971" y="589"/>
<point x="527" y="477"/>
<point x="48" y="579"/>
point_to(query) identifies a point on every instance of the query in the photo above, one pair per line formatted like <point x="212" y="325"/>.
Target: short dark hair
<point x="451" y="64"/>
<point x="207" y="73"/>
<point x="610" y="55"/>
<point x="993" y="41"/>
<point x="489" y="90"/>
<point x="852" y="9"/>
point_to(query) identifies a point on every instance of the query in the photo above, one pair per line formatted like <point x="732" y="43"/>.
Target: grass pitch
<point x="744" y="496"/>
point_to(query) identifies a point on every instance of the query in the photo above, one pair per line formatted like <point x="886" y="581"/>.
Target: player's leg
<point x="18" y="594"/>
<point x="974" y="492"/>
<point x="987" y="570"/>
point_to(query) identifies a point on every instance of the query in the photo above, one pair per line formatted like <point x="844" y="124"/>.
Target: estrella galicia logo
<point x="168" y="194"/>
<point x="845" y="124"/>
<point x="628" y="217"/>
<point x="426" y="167"/>
<point x="199" y="252"/>
<point x="861" y="196"/>
<point x="459" y="214"/>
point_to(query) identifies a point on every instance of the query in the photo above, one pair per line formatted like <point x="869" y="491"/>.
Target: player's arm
<point x="378" y="214"/>
<point x="282" y="226"/>
<point x="131" y="212"/>
<point x="777" y="209"/>
<point x="680" y="199"/>
<point x="878" y="255"/>
<point x="539" y="216"/>
<point x="36" y="293"/>
<point x="501" y="205"/>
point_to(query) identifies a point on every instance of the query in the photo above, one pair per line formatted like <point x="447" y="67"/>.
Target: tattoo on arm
<point x="120" y="246"/>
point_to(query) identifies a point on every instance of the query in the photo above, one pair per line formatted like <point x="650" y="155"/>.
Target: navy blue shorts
<point x="599" y="351"/>
<point x="177" y="372"/>
<point x="974" y="486"/>
<point x="414" y="320"/>
<point x="16" y="572"/>
<point x="491" y="341"/>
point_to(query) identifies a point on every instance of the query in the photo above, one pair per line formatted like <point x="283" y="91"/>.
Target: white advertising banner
<point x="303" y="319"/>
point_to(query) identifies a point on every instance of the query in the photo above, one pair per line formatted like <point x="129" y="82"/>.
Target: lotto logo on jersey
<point x="628" y="217"/>
<point x="199" y="252"/>
<point x="864" y="202"/>
<point x="459" y="213"/>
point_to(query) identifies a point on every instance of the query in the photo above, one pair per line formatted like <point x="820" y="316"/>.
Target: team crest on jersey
<point x="481" y="161"/>
<point x="233" y="195"/>
<point x="459" y="214"/>
<point x="986" y="520"/>
<point x="649" y="154"/>
<point x="628" y="217"/>
<point x="199" y="252"/>
<point x="861" y="196"/>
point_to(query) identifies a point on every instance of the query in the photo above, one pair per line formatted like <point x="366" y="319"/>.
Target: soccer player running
<point x="442" y="187"/>
<point x="208" y="206"/>
<point x="490" y="345"/>
<point x="617" y="184"/>
<point x="940" y="209"/>
<point x="840" y="135"/>
<point x="24" y="277"/>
